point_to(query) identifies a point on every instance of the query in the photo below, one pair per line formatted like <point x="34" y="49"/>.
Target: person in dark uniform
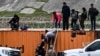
<point x="14" y="22"/>
<point x="66" y="15"/>
<point x="92" y="13"/>
<point x="83" y="17"/>
<point x="40" y="51"/>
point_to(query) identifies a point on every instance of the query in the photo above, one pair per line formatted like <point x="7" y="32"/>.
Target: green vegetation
<point x="41" y="13"/>
<point x="37" y="13"/>
<point x="9" y="14"/>
<point x="38" y="25"/>
<point x="50" y="25"/>
<point x="42" y="0"/>
<point x="6" y="13"/>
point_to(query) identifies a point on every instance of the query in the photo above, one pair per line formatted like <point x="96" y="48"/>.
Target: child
<point x="74" y="16"/>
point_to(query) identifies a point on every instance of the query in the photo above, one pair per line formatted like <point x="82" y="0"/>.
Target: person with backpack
<point x="83" y="17"/>
<point x="92" y="13"/>
<point x="74" y="16"/>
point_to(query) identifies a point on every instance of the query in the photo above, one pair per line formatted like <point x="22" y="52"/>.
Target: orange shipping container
<point x="27" y="41"/>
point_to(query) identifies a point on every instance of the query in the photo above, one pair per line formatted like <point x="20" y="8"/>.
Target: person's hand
<point x="58" y="22"/>
<point x="88" y="18"/>
<point x="52" y="22"/>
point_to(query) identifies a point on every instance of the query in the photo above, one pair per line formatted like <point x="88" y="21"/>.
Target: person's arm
<point x="53" y="19"/>
<point x="62" y="10"/>
<point x="59" y="17"/>
<point x="69" y="11"/>
<point x="10" y="21"/>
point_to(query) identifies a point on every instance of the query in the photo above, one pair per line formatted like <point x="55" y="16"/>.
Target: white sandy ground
<point x="27" y="11"/>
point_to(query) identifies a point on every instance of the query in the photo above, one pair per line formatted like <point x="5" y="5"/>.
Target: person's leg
<point x="59" y="24"/>
<point x="67" y="23"/>
<point x="12" y="26"/>
<point x="53" y="40"/>
<point x="63" y="24"/>
<point x="94" y="22"/>
<point x="72" y="23"/>
<point x="82" y="24"/>
<point x="49" y="41"/>
<point x="75" y="21"/>
<point x="56" y="24"/>
<point x="16" y="27"/>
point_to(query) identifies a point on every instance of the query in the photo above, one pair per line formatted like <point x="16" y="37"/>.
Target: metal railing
<point x="36" y="22"/>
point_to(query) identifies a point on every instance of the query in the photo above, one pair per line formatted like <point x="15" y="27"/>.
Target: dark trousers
<point x="65" y="22"/>
<point x="73" y="22"/>
<point x="93" y="23"/>
<point x="51" y="41"/>
<point x="14" y="26"/>
<point x="40" y="51"/>
<point x="82" y="23"/>
<point x="57" y="25"/>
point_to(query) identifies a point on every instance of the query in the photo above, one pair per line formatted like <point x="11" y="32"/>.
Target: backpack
<point x="96" y="12"/>
<point x="24" y="27"/>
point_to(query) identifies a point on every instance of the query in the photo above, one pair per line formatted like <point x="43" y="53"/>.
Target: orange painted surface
<point x="27" y="41"/>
